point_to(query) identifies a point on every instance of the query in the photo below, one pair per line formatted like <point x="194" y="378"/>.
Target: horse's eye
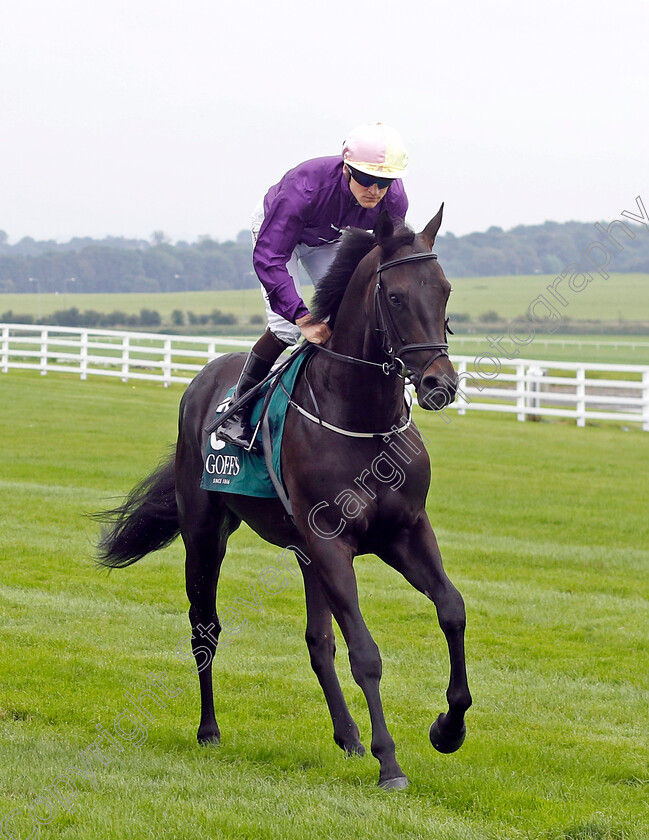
<point x="395" y="300"/>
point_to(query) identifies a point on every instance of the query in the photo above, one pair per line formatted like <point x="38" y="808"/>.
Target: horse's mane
<point x="355" y="245"/>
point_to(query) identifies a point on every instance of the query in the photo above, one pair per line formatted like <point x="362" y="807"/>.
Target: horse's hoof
<point x="398" y="783"/>
<point x="443" y="743"/>
<point x="212" y="739"/>
<point x="350" y="743"/>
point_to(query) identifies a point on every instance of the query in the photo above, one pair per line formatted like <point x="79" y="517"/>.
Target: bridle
<point x="386" y="326"/>
<point x="388" y="331"/>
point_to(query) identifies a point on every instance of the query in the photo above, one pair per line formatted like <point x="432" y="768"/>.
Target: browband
<point x="426" y="255"/>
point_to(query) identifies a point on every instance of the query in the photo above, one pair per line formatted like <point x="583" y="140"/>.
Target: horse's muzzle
<point x="437" y="390"/>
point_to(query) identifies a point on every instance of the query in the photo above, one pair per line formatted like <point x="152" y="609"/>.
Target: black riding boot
<point x="236" y="429"/>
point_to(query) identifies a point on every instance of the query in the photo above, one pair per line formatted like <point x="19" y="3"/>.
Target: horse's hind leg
<point x="322" y="650"/>
<point x="416" y="555"/>
<point x="205" y="530"/>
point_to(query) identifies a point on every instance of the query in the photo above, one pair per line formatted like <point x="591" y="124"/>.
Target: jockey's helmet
<point x="375" y="149"/>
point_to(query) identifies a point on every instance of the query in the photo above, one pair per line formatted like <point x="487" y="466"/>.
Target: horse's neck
<point x="362" y="395"/>
<point x="353" y="332"/>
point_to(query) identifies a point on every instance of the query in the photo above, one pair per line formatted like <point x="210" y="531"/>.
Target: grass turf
<point x="543" y="528"/>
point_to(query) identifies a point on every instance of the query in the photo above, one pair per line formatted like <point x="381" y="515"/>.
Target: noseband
<point x="387" y="328"/>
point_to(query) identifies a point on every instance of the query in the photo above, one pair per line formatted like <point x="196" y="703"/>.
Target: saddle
<point x="231" y="469"/>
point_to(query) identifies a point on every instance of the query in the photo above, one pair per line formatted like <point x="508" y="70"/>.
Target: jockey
<point x="297" y="228"/>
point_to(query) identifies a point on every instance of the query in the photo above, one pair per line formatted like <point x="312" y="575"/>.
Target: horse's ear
<point x="384" y="228"/>
<point x="430" y="231"/>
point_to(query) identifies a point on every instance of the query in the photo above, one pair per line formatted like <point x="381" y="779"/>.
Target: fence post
<point x="645" y="401"/>
<point x="44" y="337"/>
<point x="580" y="395"/>
<point x="462" y="403"/>
<point x="166" y="363"/>
<point x="5" y="349"/>
<point x="533" y="387"/>
<point x="125" y="357"/>
<point x="83" y="355"/>
<point x="520" y="393"/>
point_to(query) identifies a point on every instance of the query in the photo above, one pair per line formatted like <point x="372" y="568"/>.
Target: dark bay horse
<point x="356" y="472"/>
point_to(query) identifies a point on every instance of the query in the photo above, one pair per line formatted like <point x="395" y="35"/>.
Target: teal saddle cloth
<point x="231" y="469"/>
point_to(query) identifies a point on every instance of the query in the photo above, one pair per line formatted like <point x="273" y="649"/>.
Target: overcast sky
<point x="122" y="117"/>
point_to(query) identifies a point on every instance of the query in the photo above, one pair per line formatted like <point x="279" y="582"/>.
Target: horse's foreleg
<point x="334" y="565"/>
<point x="322" y="650"/>
<point x="205" y="531"/>
<point x="416" y="555"/>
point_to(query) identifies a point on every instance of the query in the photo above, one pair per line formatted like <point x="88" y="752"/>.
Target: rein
<point x="386" y="367"/>
<point x="384" y="323"/>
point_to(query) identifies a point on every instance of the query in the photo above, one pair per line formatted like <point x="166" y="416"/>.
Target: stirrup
<point x="238" y="432"/>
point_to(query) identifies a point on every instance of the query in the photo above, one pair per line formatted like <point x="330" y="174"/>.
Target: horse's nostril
<point x="435" y="393"/>
<point x="432" y="383"/>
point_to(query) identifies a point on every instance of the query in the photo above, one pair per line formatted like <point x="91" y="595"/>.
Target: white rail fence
<point x="528" y="388"/>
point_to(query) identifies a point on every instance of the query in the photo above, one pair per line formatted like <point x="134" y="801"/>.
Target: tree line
<point x="538" y="249"/>
<point x="125" y="265"/>
<point x="117" y="264"/>
<point x="146" y="318"/>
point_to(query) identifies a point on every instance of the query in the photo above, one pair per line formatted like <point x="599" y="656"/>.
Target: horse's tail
<point x="145" y="522"/>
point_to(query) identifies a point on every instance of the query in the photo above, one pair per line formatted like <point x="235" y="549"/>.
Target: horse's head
<point x="410" y="297"/>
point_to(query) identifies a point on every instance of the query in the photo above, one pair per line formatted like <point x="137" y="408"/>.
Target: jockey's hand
<point x="317" y="332"/>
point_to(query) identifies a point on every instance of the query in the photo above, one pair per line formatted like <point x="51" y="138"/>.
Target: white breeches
<point x="307" y="263"/>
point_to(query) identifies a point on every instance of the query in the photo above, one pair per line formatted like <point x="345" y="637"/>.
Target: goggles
<point x="367" y="181"/>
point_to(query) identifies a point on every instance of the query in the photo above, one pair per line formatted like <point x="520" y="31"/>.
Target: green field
<point x="621" y="297"/>
<point x="544" y="529"/>
<point x="241" y="302"/>
<point x="607" y="349"/>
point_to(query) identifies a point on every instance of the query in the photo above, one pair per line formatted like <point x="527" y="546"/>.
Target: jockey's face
<point x="367" y="197"/>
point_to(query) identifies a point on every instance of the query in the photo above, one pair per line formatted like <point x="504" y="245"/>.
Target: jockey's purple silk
<point x="311" y="205"/>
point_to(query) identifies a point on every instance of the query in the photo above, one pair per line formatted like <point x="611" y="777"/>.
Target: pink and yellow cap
<point x="376" y="149"/>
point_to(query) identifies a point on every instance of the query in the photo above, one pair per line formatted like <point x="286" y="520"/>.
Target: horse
<point x="385" y="300"/>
